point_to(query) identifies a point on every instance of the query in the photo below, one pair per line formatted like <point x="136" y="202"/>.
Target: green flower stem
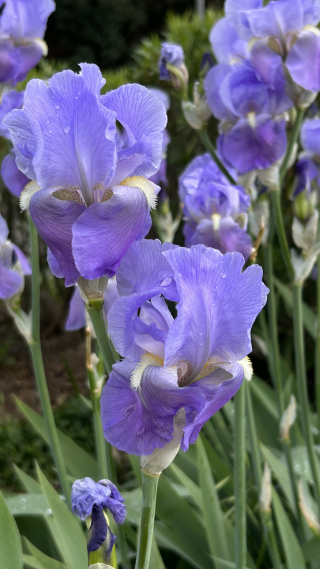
<point x="302" y="384"/>
<point x="276" y="367"/>
<point x="240" y="477"/>
<point x="317" y="354"/>
<point x="149" y="497"/>
<point x="37" y="361"/>
<point x="276" y="209"/>
<point x="210" y="148"/>
<point x="256" y="466"/>
<point x="96" y="316"/>
<point x="293" y="139"/>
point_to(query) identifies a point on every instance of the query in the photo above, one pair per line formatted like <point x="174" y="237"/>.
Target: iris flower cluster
<point x="215" y="211"/>
<point x="22" y="28"/>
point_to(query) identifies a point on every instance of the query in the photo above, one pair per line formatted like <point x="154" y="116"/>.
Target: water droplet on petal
<point x="49" y="512"/>
<point x="67" y="129"/>
<point x="57" y="107"/>
<point x="223" y="276"/>
<point x="166" y="282"/>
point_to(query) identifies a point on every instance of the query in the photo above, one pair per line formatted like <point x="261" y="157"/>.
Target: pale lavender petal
<point x="129" y="159"/>
<point x="4" y="230"/>
<point x="53" y="219"/>
<point x="11" y="100"/>
<point x="29" y="57"/>
<point x="277" y="19"/>
<point x="10" y="282"/>
<point x="138" y="422"/>
<point x="247" y="148"/>
<point x="225" y="42"/>
<point x="228" y="237"/>
<point x="9" y="61"/>
<point x="212" y="86"/>
<point x="311" y="12"/>
<point x="110" y="295"/>
<point x="310" y="136"/>
<point x="26" y="20"/>
<point x="14" y="180"/>
<point x="24" y="141"/>
<point x="54" y="265"/>
<point x="142" y="114"/>
<point x="218" y="305"/>
<point x="303" y="61"/>
<point x="76" y="318"/>
<point x="105" y="231"/>
<point x="217" y="396"/>
<point x="236" y="12"/>
<point x="25" y="265"/>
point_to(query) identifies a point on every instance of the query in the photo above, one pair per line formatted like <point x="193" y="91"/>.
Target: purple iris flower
<point x="94" y="499"/>
<point x="95" y="196"/>
<point x="77" y="310"/>
<point x="215" y="211"/>
<point x="172" y="54"/>
<point x="13" y="265"/>
<point x="250" y="107"/>
<point x="289" y="27"/>
<point x="183" y="368"/>
<point x="22" y="27"/>
<point x="310" y="157"/>
<point x="14" y="180"/>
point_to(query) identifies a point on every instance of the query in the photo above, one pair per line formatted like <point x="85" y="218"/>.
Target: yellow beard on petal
<point x="147" y="187"/>
<point x="147" y="360"/>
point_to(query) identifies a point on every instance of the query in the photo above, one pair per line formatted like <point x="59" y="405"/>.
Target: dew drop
<point x="166" y="282"/>
<point x="57" y="107"/>
<point x="49" y="512"/>
<point x="67" y="129"/>
<point x="223" y="276"/>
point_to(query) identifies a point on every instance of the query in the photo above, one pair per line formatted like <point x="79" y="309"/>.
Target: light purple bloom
<point x="215" y="211"/>
<point x="22" y="27"/>
<point x="250" y="107"/>
<point x="14" y="180"/>
<point x="172" y="54"/>
<point x="310" y="157"/>
<point x="192" y="364"/>
<point x="95" y="196"/>
<point x="13" y="265"/>
<point x="85" y="493"/>
<point x="77" y="311"/>
<point x="289" y="27"/>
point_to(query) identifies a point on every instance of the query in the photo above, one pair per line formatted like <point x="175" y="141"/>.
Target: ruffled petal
<point x="303" y="61"/>
<point x="14" y="180"/>
<point x="105" y="231"/>
<point x="311" y="12"/>
<point x="217" y="395"/>
<point x="229" y="237"/>
<point x="142" y="114"/>
<point x="225" y="42"/>
<point x="138" y="421"/>
<point x="236" y="12"/>
<point x="26" y="20"/>
<point x="212" y="86"/>
<point x="247" y="148"/>
<point x="54" y="219"/>
<point x="277" y="19"/>
<point x="75" y="133"/>
<point x="218" y="305"/>
<point x="11" y="100"/>
<point x="76" y="318"/>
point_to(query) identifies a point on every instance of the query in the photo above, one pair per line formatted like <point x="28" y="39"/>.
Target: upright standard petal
<point x="217" y="308"/>
<point x="74" y="134"/>
<point x="277" y="19"/>
<point x="138" y="421"/>
<point x="303" y="61"/>
<point x="226" y="44"/>
<point x="26" y="19"/>
<point x="142" y="115"/>
<point x="53" y="219"/>
<point x="11" y="100"/>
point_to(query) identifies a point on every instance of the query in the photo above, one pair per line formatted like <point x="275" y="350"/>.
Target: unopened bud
<point x="306" y="509"/>
<point x="303" y="206"/>
<point x="288" y="418"/>
<point x="197" y="113"/>
<point x="266" y="490"/>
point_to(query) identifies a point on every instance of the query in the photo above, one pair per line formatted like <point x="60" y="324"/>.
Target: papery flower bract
<point x="22" y="27"/>
<point x="215" y="211"/>
<point x="192" y="364"/>
<point x="77" y="310"/>
<point x="95" y="196"/>
<point x="13" y="265"/>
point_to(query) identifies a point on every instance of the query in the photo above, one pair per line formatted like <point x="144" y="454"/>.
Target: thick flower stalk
<point x="22" y="27"/>
<point x="177" y="372"/>
<point x="14" y="180"/>
<point x="94" y="196"/>
<point x="215" y="212"/>
<point x="13" y="265"/>
<point x="91" y="501"/>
